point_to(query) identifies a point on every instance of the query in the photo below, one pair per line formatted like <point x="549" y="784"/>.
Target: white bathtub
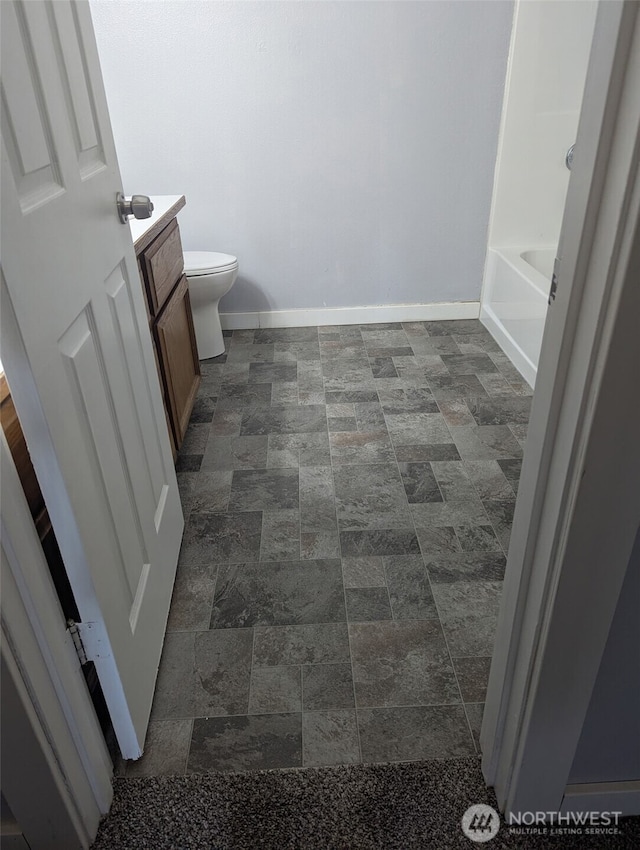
<point x="514" y="302"/>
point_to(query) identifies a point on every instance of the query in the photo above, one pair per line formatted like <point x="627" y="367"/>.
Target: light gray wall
<point x="609" y="746"/>
<point x="344" y="151"/>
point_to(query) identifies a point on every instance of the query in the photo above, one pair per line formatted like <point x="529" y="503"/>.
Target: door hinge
<point x="74" y="631"/>
<point x="554" y="280"/>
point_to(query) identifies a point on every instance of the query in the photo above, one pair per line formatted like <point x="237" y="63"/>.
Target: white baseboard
<point x="623" y="797"/>
<point x="352" y="315"/>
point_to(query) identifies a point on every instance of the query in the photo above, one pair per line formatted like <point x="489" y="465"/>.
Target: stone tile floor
<point x="348" y="496"/>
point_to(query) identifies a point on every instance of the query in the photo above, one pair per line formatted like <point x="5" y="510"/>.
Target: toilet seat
<point x="207" y="262"/>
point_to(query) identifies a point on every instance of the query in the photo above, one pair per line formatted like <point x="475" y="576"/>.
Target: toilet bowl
<point x="210" y="276"/>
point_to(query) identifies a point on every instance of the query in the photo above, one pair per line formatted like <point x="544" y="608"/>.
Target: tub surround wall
<point x="548" y="58"/>
<point x="343" y="151"/>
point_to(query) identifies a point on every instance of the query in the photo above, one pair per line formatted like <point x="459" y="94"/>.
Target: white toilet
<point x="210" y="276"/>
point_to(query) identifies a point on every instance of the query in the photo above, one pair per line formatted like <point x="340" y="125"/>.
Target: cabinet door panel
<point x="179" y="356"/>
<point x="163" y="265"/>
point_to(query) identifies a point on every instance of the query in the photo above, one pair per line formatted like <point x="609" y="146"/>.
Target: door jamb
<point x="599" y="227"/>
<point x="44" y="670"/>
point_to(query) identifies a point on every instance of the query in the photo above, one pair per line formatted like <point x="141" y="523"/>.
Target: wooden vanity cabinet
<point x="161" y="265"/>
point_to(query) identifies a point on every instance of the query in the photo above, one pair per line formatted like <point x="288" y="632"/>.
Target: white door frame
<point x="572" y="534"/>
<point x="56" y="770"/>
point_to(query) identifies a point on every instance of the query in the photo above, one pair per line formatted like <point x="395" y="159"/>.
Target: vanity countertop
<point x="145" y="230"/>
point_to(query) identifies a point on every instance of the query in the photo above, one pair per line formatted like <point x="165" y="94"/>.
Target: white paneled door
<point x="78" y="354"/>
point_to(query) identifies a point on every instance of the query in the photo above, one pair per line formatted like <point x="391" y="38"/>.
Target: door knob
<point x="138" y="206"/>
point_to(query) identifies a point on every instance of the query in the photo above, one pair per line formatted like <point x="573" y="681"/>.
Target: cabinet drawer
<point x="163" y="264"/>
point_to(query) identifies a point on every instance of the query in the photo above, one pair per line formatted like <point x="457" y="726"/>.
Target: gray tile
<point x="317" y="500"/>
<point x="468" y="364"/>
<point x="456" y="412"/>
<point x="374" y="337"/>
<point x="256" y="742"/>
<point x="459" y="327"/>
<point x="186" y="488"/>
<point x="466" y="566"/>
<point x="280" y="536"/>
<point x="485" y="442"/>
<point x="275" y="690"/>
<point x="351" y="396"/>
<point x="489" y="479"/>
<point x="242" y="336"/>
<point x="496" y="385"/>
<point x="226" y="422"/>
<point x="245" y="397"/>
<point x="284" y="351"/>
<point x="434" y="514"/>
<point x="317" y="643"/>
<point x="212" y="491"/>
<point x="278" y="593"/>
<point x="342" y="374"/>
<point x="511" y="468"/>
<point x="365" y="604"/>
<point x="326" y="686"/>
<point x="500" y="411"/>
<point x="473" y="677"/>
<point x="409" y="588"/>
<point x="501" y="515"/>
<point x="353" y="447"/>
<point x="188" y="463"/>
<point x="382" y="367"/>
<point x="414" y="429"/>
<point x="453" y="481"/>
<point x="250" y="353"/>
<point x="284" y="393"/>
<point x="383" y="542"/>
<point x="420" y="368"/>
<point x="203" y="673"/>
<point x="437" y="539"/>
<point x="478" y="538"/>
<point x="192" y="598"/>
<point x="469" y="613"/>
<point x="370" y="496"/>
<point x="455" y="387"/>
<point x="225" y="452"/>
<point x="330" y="737"/>
<point x="319" y="544"/>
<point x="369" y="416"/>
<point x="195" y="439"/>
<point x="289" y="450"/>
<point x="264" y="489"/>
<point x="363" y="572"/>
<point x="285" y="420"/>
<point x="427" y="453"/>
<point x="401" y="663"/>
<point x="342" y="423"/>
<point x="277" y="335"/>
<point x="202" y="410"/>
<point x="476" y="343"/>
<point x="434" y="345"/>
<point x="267" y="373"/>
<point x="474" y="714"/>
<point x="520" y="433"/>
<point x="411" y="734"/>
<point x="386" y="353"/>
<point x="165" y="749"/>
<point x="217" y="537"/>
<point x="419" y="483"/>
<point x="408" y="400"/>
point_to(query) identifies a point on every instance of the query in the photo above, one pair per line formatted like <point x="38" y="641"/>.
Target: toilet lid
<point x="206" y="262"/>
